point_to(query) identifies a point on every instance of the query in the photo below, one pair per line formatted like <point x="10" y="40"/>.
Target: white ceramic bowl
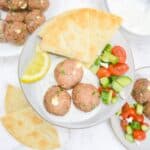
<point x="134" y="35"/>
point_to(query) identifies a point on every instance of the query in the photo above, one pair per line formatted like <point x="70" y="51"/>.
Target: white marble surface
<point x="98" y="137"/>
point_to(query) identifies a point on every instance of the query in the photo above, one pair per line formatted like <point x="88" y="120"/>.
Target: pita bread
<point x="25" y="125"/>
<point x="80" y="34"/>
<point x="14" y="99"/>
<point x="28" y="128"/>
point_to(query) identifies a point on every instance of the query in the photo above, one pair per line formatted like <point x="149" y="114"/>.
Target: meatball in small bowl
<point x="57" y="101"/>
<point x="85" y="97"/>
<point x="141" y="90"/>
<point x="68" y="73"/>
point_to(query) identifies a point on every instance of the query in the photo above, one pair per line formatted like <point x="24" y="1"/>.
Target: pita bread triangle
<point x="80" y="34"/>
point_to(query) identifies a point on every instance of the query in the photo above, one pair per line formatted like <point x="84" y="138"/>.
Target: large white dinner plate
<point x="74" y="118"/>
<point x="115" y="121"/>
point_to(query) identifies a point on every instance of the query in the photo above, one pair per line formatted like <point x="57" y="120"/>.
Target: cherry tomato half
<point x="120" y="53"/>
<point x="139" y="135"/>
<point x="139" y="118"/>
<point x="130" y="112"/>
<point x="125" y="115"/>
<point x="125" y="107"/>
<point x="118" y="69"/>
<point x="103" y="72"/>
<point x="100" y="89"/>
<point x="123" y="124"/>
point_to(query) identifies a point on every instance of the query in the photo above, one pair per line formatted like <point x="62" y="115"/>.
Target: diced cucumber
<point x="114" y="100"/>
<point x="129" y="129"/>
<point x="106" y="97"/>
<point x="145" y="128"/>
<point x="94" y="68"/>
<point x="139" y="109"/>
<point x="116" y="86"/>
<point x="107" y="48"/>
<point x="124" y="80"/>
<point x="129" y="138"/>
<point x="105" y="82"/>
<point x="108" y="57"/>
<point x="135" y="125"/>
<point x="113" y="78"/>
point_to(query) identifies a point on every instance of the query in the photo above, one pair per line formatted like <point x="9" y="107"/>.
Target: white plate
<point x="74" y="118"/>
<point x="115" y="122"/>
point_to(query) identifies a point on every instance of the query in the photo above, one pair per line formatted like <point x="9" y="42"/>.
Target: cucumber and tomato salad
<point x="110" y="68"/>
<point x="132" y="122"/>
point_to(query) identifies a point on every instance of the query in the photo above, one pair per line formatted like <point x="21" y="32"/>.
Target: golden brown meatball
<point x="34" y="19"/>
<point x="68" y="73"/>
<point x="38" y="4"/>
<point x="85" y="97"/>
<point x="15" y="32"/>
<point x="141" y="91"/>
<point x="57" y="101"/>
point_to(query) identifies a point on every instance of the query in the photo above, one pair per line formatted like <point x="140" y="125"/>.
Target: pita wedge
<point x="25" y="125"/>
<point x="14" y="99"/>
<point x="80" y="34"/>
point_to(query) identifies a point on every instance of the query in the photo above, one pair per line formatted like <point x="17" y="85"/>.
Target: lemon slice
<point x="37" y="68"/>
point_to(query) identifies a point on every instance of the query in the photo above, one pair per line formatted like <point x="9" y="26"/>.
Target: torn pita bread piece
<point x="28" y="128"/>
<point x="25" y="125"/>
<point x="14" y="99"/>
<point x="80" y="34"/>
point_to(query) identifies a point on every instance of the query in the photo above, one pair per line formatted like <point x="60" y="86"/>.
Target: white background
<point x="95" y="138"/>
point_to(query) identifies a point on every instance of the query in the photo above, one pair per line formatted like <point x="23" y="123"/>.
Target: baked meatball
<point x="4" y="4"/>
<point x="15" y="32"/>
<point x="85" y="97"/>
<point x="141" y="91"/>
<point x="34" y="19"/>
<point x="147" y="110"/>
<point x="57" y="101"/>
<point x="16" y="16"/>
<point x="68" y="73"/>
<point x="17" y="4"/>
<point x="38" y="4"/>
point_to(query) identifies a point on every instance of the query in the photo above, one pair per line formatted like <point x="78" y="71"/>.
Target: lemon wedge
<point x="37" y="68"/>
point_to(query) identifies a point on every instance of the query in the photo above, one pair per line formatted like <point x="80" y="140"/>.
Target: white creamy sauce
<point x="135" y="14"/>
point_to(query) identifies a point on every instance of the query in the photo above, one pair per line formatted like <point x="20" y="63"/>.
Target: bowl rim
<point x="123" y="28"/>
<point x="122" y="100"/>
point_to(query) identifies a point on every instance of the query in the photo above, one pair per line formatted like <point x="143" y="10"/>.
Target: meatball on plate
<point x="68" y="73"/>
<point x="85" y="97"/>
<point x="57" y="101"/>
<point x="68" y="94"/>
